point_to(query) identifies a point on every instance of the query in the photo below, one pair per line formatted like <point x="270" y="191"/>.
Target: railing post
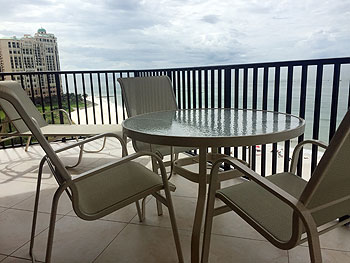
<point x="59" y="98"/>
<point x="227" y="104"/>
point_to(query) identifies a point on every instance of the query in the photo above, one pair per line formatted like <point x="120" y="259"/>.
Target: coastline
<point x="101" y="113"/>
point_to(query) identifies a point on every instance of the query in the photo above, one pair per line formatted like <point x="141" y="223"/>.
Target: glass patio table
<point x="211" y="128"/>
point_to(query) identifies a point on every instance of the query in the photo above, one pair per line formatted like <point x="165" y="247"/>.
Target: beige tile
<point x="338" y="239"/>
<point x="24" y="169"/>
<point x="13" y="192"/>
<point x="18" y="153"/>
<point x="45" y="201"/>
<point x="184" y="187"/>
<point x="15" y="260"/>
<point x="300" y="254"/>
<point x="2" y="209"/>
<point x="184" y="211"/>
<point x="19" y="169"/>
<point x="75" y="240"/>
<point x="138" y="243"/>
<point x="229" y="249"/>
<point x="15" y="228"/>
<point x="2" y="257"/>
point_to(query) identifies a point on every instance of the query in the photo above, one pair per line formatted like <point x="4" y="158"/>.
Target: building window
<point x="17" y="45"/>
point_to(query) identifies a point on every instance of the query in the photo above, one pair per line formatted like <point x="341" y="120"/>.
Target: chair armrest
<point x="262" y="181"/>
<point x="298" y="148"/>
<point x="3" y="123"/>
<point x="297" y="206"/>
<point x="61" y="110"/>
<point x="102" y="135"/>
<point x="3" y="130"/>
<point x="122" y="161"/>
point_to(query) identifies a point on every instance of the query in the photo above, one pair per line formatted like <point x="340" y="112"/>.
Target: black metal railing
<point x="316" y="90"/>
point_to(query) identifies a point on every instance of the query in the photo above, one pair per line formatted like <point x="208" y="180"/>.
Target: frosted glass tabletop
<point x="213" y="127"/>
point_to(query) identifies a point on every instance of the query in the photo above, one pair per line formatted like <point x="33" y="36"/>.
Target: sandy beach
<point x="102" y="112"/>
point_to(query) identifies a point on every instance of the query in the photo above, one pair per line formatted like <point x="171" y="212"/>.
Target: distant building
<point x="31" y="54"/>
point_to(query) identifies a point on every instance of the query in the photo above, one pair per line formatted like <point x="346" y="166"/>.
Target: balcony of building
<point x="316" y="90"/>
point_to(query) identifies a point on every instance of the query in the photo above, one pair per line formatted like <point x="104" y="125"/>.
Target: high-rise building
<point x="31" y="54"/>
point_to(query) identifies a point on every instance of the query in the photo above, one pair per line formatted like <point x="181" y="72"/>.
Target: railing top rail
<point x="66" y="72"/>
<point x="310" y="62"/>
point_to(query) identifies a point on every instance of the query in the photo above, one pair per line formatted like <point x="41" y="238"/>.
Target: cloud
<point x="211" y="19"/>
<point x="119" y="34"/>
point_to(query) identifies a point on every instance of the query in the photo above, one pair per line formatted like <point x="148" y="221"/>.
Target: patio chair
<point x="49" y="130"/>
<point x="284" y="208"/>
<point x="145" y="95"/>
<point x="149" y="94"/>
<point x="97" y="192"/>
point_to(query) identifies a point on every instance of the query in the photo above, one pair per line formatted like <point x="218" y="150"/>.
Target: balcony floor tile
<point x="120" y="237"/>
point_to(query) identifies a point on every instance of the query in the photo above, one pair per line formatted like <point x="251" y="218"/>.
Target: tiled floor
<point x="120" y="237"/>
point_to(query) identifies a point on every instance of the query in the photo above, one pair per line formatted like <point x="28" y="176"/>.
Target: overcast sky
<point x="132" y="34"/>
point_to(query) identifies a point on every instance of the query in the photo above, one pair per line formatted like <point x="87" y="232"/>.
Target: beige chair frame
<point x="307" y="214"/>
<point x="49" y="130"/>
<point x="70" y="185"/>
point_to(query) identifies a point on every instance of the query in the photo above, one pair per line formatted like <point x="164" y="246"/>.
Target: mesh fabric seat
<point x="98" y="192"/>
<point x="283" y="207"/>
<point x="271" y="213"/>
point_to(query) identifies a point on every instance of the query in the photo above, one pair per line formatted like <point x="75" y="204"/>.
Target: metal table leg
<point x="196" y="231"/>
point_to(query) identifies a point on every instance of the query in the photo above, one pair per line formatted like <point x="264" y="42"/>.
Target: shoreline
<point x="101" y="113"/>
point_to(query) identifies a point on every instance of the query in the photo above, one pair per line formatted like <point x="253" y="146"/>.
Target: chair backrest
<point x="329" y="187"/>
<point x="9" y="92"/>
<point x="147" y="94"/>
<point x="26" y="102"/>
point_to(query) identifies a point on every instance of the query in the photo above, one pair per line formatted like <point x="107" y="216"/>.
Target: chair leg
<point x="36" y="206"/>
<point x="173" y="157"/>
<point x="97" y="151"/>
<point x="174" y="225"/>
<point x="55" y="200"/>
<point x="79" y="158"/>
<point x="313" y="239"/>
<point x="208" y="224"/>
<point x="159" y="204"/>
<point x="315" y="249"/>
<point x="141" y="211"/>
<point x="28" y="143"/>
